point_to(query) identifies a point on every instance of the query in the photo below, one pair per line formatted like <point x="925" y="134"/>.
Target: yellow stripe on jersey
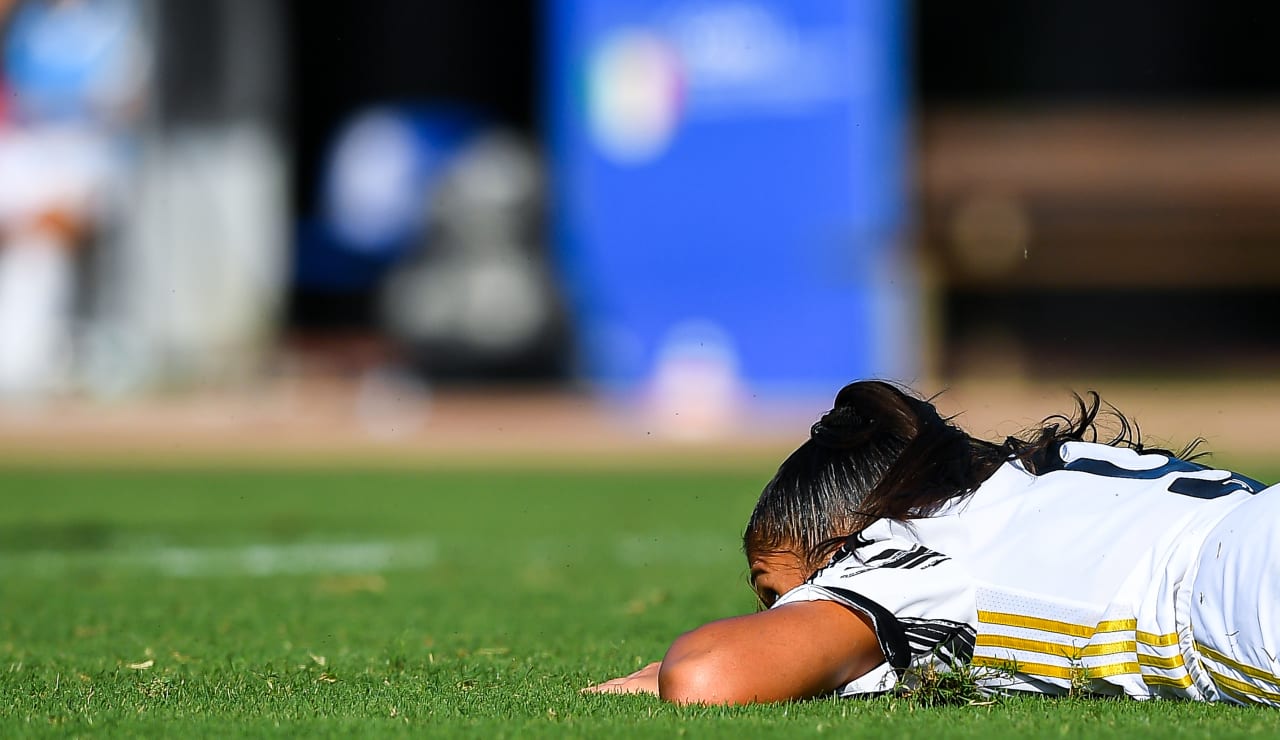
<point x="1156" y="661"/>
<point x="1057" y="671"/>
<point x="1037" y="623"/>
<point x="1231" y="686"/>
<point x="1054" y="648"/>
<point x="1073" y="673"/>
<point x="1077" y="630"/>
<point x="1069" y="629"/>
<point x="1155" y="640"/>
<point x="1116" y="625"/>
<point x="1247" y="670"/>
<point x="1238" y="696"/>
<point x="1181" y="682"/>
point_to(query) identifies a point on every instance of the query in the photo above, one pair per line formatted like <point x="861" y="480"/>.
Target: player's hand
<point x="643" y="681"/>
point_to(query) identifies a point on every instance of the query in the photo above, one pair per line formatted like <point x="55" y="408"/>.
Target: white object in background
<point x="634" y="96"/>
<point x="374" y="195"/>
<point x="695" y="393"/>
<point x="36" y="281"/>
<point x="203" y="258"/>
<point x="392" y="403"/>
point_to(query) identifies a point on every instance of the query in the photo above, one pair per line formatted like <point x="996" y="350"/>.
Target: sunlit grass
<point x="354" y="602"/>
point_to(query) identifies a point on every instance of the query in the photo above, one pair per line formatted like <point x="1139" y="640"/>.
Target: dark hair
<point x="883" y="453"/>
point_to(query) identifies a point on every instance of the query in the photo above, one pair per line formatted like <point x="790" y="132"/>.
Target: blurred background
<point x="417" y="226"/>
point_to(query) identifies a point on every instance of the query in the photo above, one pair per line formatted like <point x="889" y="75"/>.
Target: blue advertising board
<point x="728" y="190"/>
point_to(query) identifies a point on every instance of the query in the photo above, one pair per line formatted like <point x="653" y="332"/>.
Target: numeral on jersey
<point x="1184" y="486"/>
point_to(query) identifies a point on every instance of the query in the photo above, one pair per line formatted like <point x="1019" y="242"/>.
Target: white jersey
<point x="1079" y="577"/>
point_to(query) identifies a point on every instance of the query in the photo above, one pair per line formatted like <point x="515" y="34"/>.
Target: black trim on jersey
<point x="903" y="640"/>
<point x="1209" y="488"/>
<point x="1202" y="488"/>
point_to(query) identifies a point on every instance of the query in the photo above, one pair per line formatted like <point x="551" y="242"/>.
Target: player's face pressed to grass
<point x="774" y="574"/>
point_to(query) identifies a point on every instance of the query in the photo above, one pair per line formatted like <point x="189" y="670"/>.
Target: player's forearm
<point x="795" y="652"/>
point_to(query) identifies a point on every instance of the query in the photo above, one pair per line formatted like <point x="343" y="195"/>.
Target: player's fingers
<point x="625" y="685"/>
<point x="632" y="683"/>
<point x="604" y="687"/>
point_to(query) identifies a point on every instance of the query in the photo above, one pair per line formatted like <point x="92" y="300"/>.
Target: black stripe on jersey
<point x="953" y="642"/>
<point x="917" y="556"/>
<point x="925" y="559"/>
<point x="851" y="545"/>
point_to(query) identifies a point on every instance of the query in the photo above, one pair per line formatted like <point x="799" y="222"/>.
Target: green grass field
<point x="352" y="602"/>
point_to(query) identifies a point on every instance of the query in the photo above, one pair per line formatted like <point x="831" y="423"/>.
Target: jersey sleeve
<point x="920" y="602"/>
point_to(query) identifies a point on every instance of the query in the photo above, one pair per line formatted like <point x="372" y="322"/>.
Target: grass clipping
<point x="956" y="685"/>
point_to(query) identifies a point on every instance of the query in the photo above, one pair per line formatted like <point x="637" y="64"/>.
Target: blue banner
<point x="729" y="191"/>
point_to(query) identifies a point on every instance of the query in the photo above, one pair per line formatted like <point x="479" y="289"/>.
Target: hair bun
<point x="841" y="427"/>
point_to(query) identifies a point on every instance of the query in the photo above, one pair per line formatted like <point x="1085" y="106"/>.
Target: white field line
<point x="255" y="560"/>
<point x="371" y="556"/>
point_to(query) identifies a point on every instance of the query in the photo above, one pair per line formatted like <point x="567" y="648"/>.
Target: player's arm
<point x="794" y="651"/>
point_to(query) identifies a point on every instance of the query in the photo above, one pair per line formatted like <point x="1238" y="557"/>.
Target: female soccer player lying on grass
<point x="892" y="544"/>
